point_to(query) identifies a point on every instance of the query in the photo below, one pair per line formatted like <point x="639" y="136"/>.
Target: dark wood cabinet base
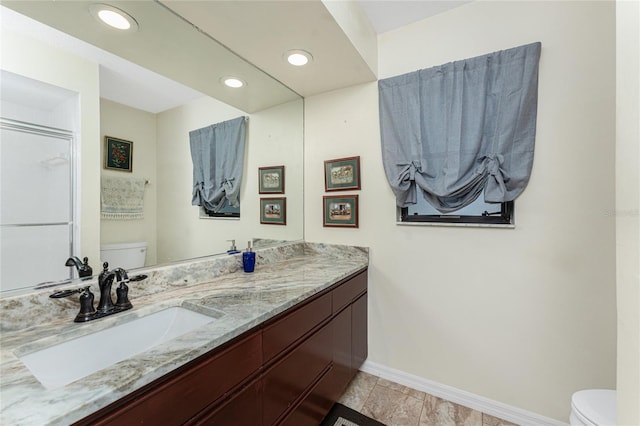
<point x="289" y="370"/>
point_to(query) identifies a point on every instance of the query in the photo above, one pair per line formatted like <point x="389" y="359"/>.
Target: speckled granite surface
<point x="284" y="276"/>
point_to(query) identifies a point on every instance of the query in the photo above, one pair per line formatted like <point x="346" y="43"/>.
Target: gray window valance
<point x="217" y="152"/>
<point x="459" y="129"/>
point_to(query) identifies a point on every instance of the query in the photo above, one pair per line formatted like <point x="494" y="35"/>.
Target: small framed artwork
<point x="271" y="180"/>
<point x="273" y="211"/>
<point x="118" y="154"/>
<point x="341" y="211"/>
<point x="342" y="174"/>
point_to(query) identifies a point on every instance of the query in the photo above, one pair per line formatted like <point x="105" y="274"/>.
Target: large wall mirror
<point x="43" y="81"/>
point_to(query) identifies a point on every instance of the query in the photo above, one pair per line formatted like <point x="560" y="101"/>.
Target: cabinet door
<point x="358" y="333"/>
<point x="342" y="353"/>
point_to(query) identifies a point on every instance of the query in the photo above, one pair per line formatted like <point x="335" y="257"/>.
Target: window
<point x="217" y="152"/>
<point x="477" y="212"/>
<point x="459" y="134"/>
<point x="226" y="211"/>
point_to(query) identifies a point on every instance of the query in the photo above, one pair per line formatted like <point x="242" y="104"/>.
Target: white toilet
<point x="124" y="255"/>
<point x="593" y="407"/>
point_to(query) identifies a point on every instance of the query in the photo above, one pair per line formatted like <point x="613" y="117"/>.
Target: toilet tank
<point x="124" y="255"/>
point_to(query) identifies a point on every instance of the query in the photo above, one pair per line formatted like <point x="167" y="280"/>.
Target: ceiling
<point x="258" y="31"/>
<point x="387" y="15"/>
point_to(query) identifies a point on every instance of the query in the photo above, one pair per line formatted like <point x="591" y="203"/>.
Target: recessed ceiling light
<point x="298" y="57"/>
<point x="113" y="17"/>
<point x="233" y="82"/>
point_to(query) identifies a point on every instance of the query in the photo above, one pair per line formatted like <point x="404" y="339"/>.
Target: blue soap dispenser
<point x="233" y="249"/>
<point x="249" y="258"/>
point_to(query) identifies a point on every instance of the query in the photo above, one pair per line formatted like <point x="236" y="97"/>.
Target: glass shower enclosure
<point x="36" y="204"/>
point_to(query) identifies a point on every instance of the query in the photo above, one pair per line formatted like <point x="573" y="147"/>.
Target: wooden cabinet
<point x="175" y="398"/>
<point x="242" y="409"/>
<point x="289" y="370"/>
<point x="288" y="329"/>
<point x="286" y="382"/>
<point x="359" y="345"/>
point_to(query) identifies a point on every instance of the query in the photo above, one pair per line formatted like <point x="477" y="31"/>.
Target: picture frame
<point x="273" y="211"/>
<point x="271" y="180"/>
<point x="340" y="211"/>
<point x="118" y="154"/>
<point x="342" y="174"/>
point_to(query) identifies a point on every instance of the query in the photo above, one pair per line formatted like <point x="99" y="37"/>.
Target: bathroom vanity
<point x="285" y="342"/>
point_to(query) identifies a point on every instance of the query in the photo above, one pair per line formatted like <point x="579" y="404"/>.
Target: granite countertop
<point x="237" y="300"/>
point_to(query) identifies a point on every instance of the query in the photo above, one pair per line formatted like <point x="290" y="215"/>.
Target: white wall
<point x="627" y="210"/>
<point x="524" y="316"/>
<point x="274" y="137"/>
<point x="123" y="122"/>
<point x="39" y="61"/>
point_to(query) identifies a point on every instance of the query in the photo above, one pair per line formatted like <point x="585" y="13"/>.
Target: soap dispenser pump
<point x="249" y="258"/>
<point x="233" y="249"/>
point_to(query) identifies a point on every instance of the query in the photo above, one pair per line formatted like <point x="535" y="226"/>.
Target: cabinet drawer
<point x="349" y="291"/>
<point x="316" y="404"/>
<point x="244" y="409"/>
<point x="284" y="332"/>
<point x="177" y="400"/>
<point x="290" y="378"/>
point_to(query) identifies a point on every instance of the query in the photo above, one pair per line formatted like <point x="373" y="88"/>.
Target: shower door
<point x="36" y="204"/>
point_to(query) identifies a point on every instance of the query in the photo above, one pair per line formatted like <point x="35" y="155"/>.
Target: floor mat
<point x="341" y="415"/>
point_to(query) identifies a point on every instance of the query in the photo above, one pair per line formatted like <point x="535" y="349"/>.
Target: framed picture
<point x="118" y="154"/>
<point x="273" y="211"/>
<point x="271" y="180"/>
<point x="340" y="211"/>
<point x="342" y="174"/>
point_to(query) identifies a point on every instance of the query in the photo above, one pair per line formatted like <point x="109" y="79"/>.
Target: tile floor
<point x="397" y="405"/>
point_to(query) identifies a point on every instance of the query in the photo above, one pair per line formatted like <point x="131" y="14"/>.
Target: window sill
<point x="457" y="225"/>
<point x="218" y="217"/>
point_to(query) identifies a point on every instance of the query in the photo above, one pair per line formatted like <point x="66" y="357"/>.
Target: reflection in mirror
<point x="171" y="227"/>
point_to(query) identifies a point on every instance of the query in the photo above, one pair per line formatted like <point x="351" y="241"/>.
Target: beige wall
<point x="627" y="210"/>
<point x="523" y="316"/>
<point x="123" y="122"/>
<point x="273" y="138"/>
<point x="34" y="59"/>
<point x="161" y="154"/>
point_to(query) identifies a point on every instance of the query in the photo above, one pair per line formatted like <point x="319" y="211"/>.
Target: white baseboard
<point x="467" y="399"/>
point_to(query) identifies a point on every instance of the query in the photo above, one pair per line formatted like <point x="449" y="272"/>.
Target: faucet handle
<point x="65" y="293"/>
<point x="87" y="311"/>
<point x="122" y="293"/>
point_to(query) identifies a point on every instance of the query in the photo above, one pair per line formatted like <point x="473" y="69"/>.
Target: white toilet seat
<point x="594" y="407"/>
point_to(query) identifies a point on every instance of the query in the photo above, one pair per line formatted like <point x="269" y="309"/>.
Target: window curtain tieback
<point x="495" y="188"/>
<point x="492" y="164"/>
<point x="408" y="171"/>
<point x="232" y="196"/>
<point x="227" y="183"/>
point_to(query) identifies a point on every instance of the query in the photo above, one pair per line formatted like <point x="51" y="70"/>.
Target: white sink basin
<point x="74" y="359"/>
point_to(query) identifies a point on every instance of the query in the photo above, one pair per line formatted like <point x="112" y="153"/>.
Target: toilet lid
<point x="596" y="405"/>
